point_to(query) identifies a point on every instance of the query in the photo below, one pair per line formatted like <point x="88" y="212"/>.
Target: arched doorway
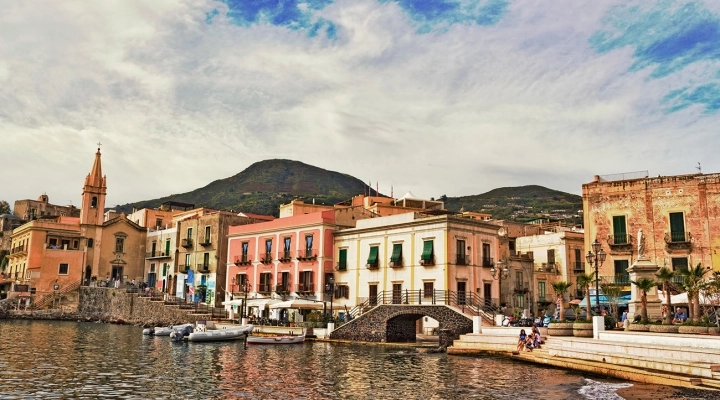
<point x="88" y="275"/>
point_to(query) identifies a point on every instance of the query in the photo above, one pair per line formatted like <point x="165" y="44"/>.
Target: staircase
<point x="60" y="294"/>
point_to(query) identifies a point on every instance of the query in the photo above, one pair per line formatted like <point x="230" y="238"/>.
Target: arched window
<point x="90" y="243"/>
<point x="93" y="202"/>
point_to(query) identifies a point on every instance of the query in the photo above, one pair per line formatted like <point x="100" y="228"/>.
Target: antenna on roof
<point x="699" y="168"/>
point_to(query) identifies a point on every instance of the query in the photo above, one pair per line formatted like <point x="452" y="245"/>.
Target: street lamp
<point x="596" y="257"/>
<point x="245" y="286"/>
<point x="499" y="273"/>
<point x="330" y="288"/>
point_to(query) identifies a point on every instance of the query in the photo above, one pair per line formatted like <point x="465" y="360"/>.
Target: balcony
<point x="620" y="243"/>
<point x="266" y="259"/>
<point x="19" y="250"/>
<point x="618" y="279"/>
<point x="428" y="262"/>
<point x="548" y="267"/>
<point x="678" y="240"/>
<point x="341" y="267"/>
<point x="156" y="255"/>
<point x="243" y="260"/>
<point x="397" y="263"/>
<point x="521" y="287"/>
<point x="283" y="289"/>
<point x="205" y="242"/>
<point x="202" y="267"/>
<point x="305" y="288"/>
<point x="184" y="268"/>
<point x="462" y="259"/>
<point x="487" y="262"/>
<point x="374" y="265"/>
<point x="306" y="255"/>
<point x="265" y="288"/>
<point x="187" y="242"/>
<point x="579" y="267"/>
<point x="285" y="256"/>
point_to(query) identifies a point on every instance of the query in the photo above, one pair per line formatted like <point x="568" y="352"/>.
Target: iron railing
<point x="620" y="240"/>
<point x="487" y="262"/>
<point x="677" y="237"/>
<point x="462" y="259"/>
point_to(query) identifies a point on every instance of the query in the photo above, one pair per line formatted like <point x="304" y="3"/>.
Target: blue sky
<point x="452" y="97"/>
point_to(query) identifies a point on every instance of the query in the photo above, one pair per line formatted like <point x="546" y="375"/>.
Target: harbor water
<point x="58" y="360"/>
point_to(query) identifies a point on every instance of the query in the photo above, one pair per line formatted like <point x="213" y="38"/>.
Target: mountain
<point x="521" y="203"/>
<point x="264" y="185"/>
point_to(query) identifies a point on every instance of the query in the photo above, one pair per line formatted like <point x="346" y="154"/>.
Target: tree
<point x="613" y="293"/>
<point x="693" y="282"/>
<point x="561" y="289"/>
<point x="584" y="281"/>
<point x="5" y="207"/>
<point x="644" y="285"/>
<point x="711" y="291"/>
<point x="665" y="275"/>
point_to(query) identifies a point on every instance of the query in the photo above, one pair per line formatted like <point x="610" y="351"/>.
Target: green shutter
<point x="373" y="255"/>
<point x="167" y="248"/>
<point x="427" y="253"/>
<point x="342" y="262"/>
<point x="619" y="230"/>
<point x="677" y="227"/>
<point x="397" y="253"/>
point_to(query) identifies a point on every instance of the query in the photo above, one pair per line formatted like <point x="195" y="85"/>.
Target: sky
<point x="453" y="97"/>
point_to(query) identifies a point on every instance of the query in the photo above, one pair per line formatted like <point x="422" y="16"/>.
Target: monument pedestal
<point x="644" y="268"/>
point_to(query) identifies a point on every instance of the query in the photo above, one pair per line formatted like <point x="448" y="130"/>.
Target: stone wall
<point x="111" y="305"/>
<point x="396" y="323"/>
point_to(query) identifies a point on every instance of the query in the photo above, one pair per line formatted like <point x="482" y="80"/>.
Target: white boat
<point x="286" y="339"/>
<point x="164" y="330"/>
<point x="220" y="334"/>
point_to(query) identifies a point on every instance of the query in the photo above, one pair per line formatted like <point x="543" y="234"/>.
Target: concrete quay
<point x="661" y="358"/>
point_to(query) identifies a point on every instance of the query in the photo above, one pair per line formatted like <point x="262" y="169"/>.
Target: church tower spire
<point x="93" y="196"/>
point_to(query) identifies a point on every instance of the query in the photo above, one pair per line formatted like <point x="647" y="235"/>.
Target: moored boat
<point x="285" y="339"/>
<point x="164" y="330"/>
<point x="220" y="334"/>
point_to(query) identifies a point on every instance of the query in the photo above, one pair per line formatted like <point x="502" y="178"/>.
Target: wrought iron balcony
<point x="203" y="267"/>
<point x="305" y="288"/>
<point x="187" y="242"/>
<point x="306" y="255"/>
<point x="265" y="288"/>
<point x="266" y="259"/>
<point x="521" y="287"/>
<point x="620" y="242"/>
<point x="243" y="260"/>
<point x="156" y="254"/>
<point x="462" y="259"/>
<point x="283" y="289"/>
<point x="184" y="268"/>
<point x="285" y="256"/>
<point x="374" y="265"/>
<point x="487" y="262"/>
<point x="678" y="240"/>
<point x="205" y="242"/>
<point x="579" y="266"/>
<point x="428" y="262"/>
<point x="397" y="263"/>
<point x="618" y="279"/>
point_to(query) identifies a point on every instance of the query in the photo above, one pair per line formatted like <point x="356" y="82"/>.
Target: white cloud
<point x="178" y="102"/>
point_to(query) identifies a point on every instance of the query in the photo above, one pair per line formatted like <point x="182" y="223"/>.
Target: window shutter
<point x="372" y="259"/>
<point x="427" y="253"/>
<point x="397" y="253"/>
<point x="342" y="262"/>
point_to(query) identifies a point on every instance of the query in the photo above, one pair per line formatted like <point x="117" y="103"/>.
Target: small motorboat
<point x="164" y="330"/>
<point x="285" y="339"/>
<point x="203" y="335"/>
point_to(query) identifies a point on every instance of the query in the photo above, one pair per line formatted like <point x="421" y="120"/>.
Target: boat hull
<point x="275" y="339"/>
<point x="220" y="335"/>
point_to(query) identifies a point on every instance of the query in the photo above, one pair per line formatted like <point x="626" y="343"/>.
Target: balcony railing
<point x="305" y="288"/>
<point x="462" y="259"/>
<point x="341" y="267"/>
<point x="184" y="268"/>
<point x="374" y="265"/>
<point x="429" y="261"/>
<point x="579" y="266"/>
<point x="265" y="288"/>
<point x="623" y="239"/>
<point x="283" y="289"/>
<point x="306" y="255"/>
<point x="397" y="263"/>
<point x="521" y="287"/>
<point x="203" y="267"/>
<point x="678" y="237"/>
<point x="243" y="260"/>
<point x="18" y="249"/>
<point x="285" y="256"/>
<point x="266" y="259"/>
<point x="487" y="262"/>
<point x="205" y="242"/>
<point x="55" y="247"/>
<point x="619" y="279"/>
<point x="156" y="254"/>
<point x="188" y="242"/>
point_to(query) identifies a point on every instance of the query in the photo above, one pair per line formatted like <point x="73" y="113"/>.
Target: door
<point x="88" y="272"/>
<point x="487" y="293"/>
<point x="461" y="295"/>
<point x="373" y="295"/>
<point x="152" y="253"/>
<point x="397" y="293"/>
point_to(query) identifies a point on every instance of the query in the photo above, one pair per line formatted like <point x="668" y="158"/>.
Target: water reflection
<point x="84" y="360"/>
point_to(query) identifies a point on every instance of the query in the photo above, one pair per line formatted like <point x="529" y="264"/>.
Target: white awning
<point x="299" y="304"/>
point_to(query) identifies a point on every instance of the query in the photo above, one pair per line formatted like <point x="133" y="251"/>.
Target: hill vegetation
<point x="265" y="185"/>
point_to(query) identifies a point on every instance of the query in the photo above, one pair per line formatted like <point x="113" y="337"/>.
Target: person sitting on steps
<point x="522" y="339"/>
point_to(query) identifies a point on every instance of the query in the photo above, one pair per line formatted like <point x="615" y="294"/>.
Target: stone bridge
<point x="397" y="323"/>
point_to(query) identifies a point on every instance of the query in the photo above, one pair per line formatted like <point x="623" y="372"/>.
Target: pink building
<point x="280" y="258"/>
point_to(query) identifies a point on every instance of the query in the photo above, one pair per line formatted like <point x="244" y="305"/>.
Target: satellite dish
<point x="502" y="231"/>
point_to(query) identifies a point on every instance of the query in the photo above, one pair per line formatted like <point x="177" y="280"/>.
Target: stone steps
<point x="629" y="348"/>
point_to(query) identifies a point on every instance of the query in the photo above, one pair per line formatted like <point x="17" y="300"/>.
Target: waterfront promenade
<point x="659" y="358"/>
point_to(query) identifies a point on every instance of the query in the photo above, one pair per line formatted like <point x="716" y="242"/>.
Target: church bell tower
<point x="93" y="196"/>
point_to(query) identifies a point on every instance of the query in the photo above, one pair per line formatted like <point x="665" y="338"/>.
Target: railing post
<point x="419" y="296"/>
<point x="433" y="296"/>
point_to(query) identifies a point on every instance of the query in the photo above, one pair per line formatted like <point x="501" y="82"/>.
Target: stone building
<point x="679" y="217"/>
<point x="33" y="209"/>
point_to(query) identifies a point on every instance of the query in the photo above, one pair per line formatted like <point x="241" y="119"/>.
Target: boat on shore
<point x="284" y="339"/>
<point x="164" y="330"/>
<point x="200" y="334"/>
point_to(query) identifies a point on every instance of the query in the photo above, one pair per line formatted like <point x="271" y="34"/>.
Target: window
<point x="541" y="291"/>
<point x="164" y="270"/>
<point x="518" y="279"/>
<point x="153" y="249"/>
<point x="187" y="261"/>
<point x="551" y="256"/>
<point x="119" y="244"/>
<point x="677" y="227"/>
<point x="373" y="257"/>
<point x="207" y="234"/>
<point x="286" y="248"/>
<point x="167" y="248"/>
<point x="268" y="249"/>
<point x="93" y="202"/>
<point x="306" y="281"/>
<point x="75" y="244"/>
<point x="619" y="230"/>
<point x="342" y="292"/>
<point x="511" y="245"/>
<point x="241" y="281"/>
<point x="189" y="234"/>
<point x="460" y="245"/>
<point x="206" y="260"/>
<point x="520" y="301"/>
<point x="487" y="260"/>
<point x="621" y="275"/>
<point x="308" y="246"/>
<point x="373" y="293"/>
<point x="152" y="267"/>
<point x="53" y="243"/>
<point x="158" y="222"/>
<point x="428" y="289"/>
<point x="342" y="260"/>
<point x="90" y="243"/>
<point x="245" y="246"/>
<point x="397" y="293"/>
<point x="64" y="269"/>
<point x="396" y="257"/>
<point x="428" y="252"/>
<point x="679" y="263"/>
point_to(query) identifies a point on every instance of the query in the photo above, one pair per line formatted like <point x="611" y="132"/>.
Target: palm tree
<point x="694" y="283"/>
<point x="644" y="285"/>
<point x="561" y="289"/>
<point x="584" y="281"/>
<point x="665" y="275"/>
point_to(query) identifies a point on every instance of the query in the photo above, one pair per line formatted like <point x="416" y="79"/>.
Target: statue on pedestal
<point x="641" y="244"/>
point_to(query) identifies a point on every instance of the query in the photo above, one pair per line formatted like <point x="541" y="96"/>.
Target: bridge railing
<point x="468" y="303"/>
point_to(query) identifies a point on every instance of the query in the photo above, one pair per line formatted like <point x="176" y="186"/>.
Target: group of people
<point x="530" y="341"/>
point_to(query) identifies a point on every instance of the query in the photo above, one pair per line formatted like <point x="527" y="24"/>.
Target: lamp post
<point x="596" y="258"/>
<point x="499" y="273"/>
<point x="330" y="288"/>
<point x="246" y="286"/>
